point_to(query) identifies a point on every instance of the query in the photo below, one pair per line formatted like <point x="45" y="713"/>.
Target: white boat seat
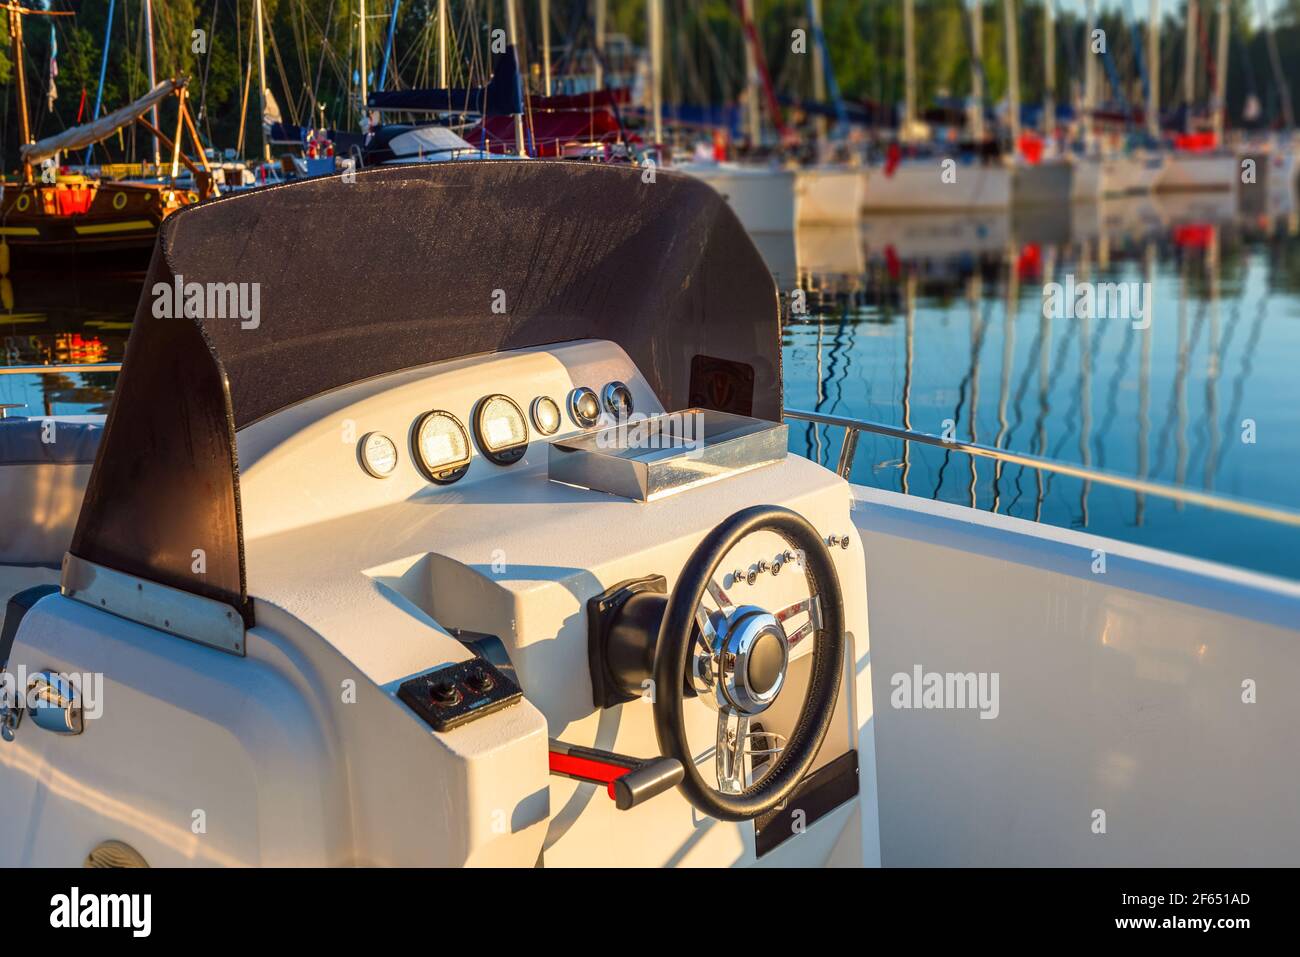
<point x="44" y="467"/>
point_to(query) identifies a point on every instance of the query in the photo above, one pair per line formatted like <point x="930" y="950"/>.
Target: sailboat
<point x="61" y="217"/>
<point x="763" y="194"/>
<point x="1038" y="178"/>
<point x="1199" y="160"/>
<point x="830" y="193"/>
<point x="917" y="177"/>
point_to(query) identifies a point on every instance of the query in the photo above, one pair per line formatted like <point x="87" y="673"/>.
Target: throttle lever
<point x="628" y="781"/>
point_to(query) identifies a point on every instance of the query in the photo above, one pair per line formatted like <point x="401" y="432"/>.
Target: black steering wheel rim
<point x="676" y="637"/>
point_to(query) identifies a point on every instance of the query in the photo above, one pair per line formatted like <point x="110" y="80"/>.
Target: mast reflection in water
<point x="937" y="324"/>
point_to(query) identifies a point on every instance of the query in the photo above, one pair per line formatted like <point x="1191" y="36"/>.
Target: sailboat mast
<point x="1013" y="70"/>
<point x="153" y="79"/>
<point x="818" y="65"/>
<point x="1049" y="69"/>
<point x="261" y="82"/>
<point x="655" y="23"/>
<point x="16" y="41"/>
<point x="1221" y="74"/>
<point x="103" y="68"/>
<point x="753" y="115"/>
<point x="442" y="44"/>
<point x="909" y="69"/>
<point x="1089" y="72"/>
<point x="1153" y="70"/>
<point x="1189" y="63"/>
<point x="546" y="46"/>
<point x="512" y="26"/>
<point x="365" y="93"/>
<point x="598" y="75"/>
<point x="977" y="70"/>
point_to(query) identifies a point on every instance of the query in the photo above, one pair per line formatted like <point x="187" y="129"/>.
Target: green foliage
<point x="311" y="54"/>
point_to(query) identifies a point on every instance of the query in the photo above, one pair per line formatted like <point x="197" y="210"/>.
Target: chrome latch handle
<point x="54" y="703"/>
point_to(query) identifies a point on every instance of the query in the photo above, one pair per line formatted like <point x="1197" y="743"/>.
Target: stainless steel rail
<point x="853" y="427"/>
<point x="53" y="370"/>
<point x="62" y="369"/>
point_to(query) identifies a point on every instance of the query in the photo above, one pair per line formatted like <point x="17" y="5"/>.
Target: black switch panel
<point x="456" y="694"/>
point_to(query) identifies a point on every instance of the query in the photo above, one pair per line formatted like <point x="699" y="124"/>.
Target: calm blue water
<point x="944" y="328"/>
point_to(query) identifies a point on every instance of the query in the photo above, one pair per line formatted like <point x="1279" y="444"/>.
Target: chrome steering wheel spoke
<point x="729" y="756"/>
<point x="799" y="646"/>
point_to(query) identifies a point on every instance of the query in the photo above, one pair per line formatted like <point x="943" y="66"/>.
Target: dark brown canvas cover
<point x="402" y="267"/>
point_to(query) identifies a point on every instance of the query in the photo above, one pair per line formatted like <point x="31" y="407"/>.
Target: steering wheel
<point x="736" y="659"/>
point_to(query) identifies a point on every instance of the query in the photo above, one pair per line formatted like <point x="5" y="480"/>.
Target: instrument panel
<point x="431" y="433"/>
<point x="440" y="442"/>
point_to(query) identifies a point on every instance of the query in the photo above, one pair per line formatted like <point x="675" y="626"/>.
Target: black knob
<point x="479" y="681"/>
<point x="444" y="694"/>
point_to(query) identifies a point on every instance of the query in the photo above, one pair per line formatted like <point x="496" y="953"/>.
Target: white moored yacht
<point x="515" y="568"/>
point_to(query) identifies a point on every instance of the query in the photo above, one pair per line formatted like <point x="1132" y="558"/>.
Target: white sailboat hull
<point x="918" y="186"/>
<point x="830" y="195"/>
<point x="1085" y="184"/>
<point x="1135" y="172"/>
<point x="1198" y="171"/>
<point x="763" y="198"/>
<point x="1047" y="183"/>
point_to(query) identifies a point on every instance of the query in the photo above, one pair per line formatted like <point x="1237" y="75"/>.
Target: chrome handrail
<point x="853" y="427"/>
<point x="59" y="369"/>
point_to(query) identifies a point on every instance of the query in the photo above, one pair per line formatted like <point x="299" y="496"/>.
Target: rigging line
<point x="284" y="76"/>
<point x="207" y="64"/>
<point x="324" y="47"/>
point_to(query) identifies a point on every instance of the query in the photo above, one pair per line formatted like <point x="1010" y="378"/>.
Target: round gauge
<point x="617" y="399"/>
<point x="584" y="407"/>
<point x="441" y="447"/>
<point x="378" y="454"/>
<point x="545" y="415"/>
<point x="500" y="430"/>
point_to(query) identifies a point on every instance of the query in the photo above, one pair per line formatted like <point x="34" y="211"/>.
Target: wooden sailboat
<point x="48" y="219"/>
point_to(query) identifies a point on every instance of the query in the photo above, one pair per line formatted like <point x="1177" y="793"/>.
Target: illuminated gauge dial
<point x="545" y="414"/>
<point x="500" y="430"/>
<point x="441" y="447"/>
<point x="617" y="399"/>
<point x="378" y="454"/>
<point x="584" y="407"/>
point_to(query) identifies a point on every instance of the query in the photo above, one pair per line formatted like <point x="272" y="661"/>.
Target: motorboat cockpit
<point x="481" y="543"/>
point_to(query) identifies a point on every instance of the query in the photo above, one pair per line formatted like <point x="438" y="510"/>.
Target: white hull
<point x="1085" y="183"/>
<point x="830" y="195"/>
<point x="1199" y="171"/>
<point x="1048" y="183"/>
<point x="763" y="198"/>
<point x="918" y="186"/>
<point x="1136" y="172"/>
<point x="1153" y="736"/>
